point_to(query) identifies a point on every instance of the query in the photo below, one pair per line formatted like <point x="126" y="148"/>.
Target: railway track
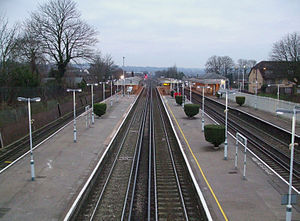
<point x="144" y="175"/>
<point x="273" y="150"/>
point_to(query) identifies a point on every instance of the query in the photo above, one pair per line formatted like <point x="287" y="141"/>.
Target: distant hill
<point x="186" y="71"/>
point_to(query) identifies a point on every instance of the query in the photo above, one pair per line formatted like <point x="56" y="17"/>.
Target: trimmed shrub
<point x="100" y="109"/>
<point x="172" y="93"/>
<point x="214" y="134"/>
<point x="178" y="99"/>
<point x="240" y="100"/>
<point x="191" y="109"/>
<point x="218" y="95"/>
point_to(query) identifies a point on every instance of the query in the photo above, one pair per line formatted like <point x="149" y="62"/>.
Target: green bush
<point x="100" y="109"/>
<point x="172" y="93"/>
<point x="178" y="99"/>
<point x="191" y="109"/>
<point x="240" y="100"/>
<point x="214" y="134"/>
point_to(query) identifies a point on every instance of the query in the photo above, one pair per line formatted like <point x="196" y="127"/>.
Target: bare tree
<point x="219" y="64"/>
<point x="29" y="50"/>
<point x="7" y="40"/>
<point x="103" y="67"/>
<point x="61" y="32"/>
<point x="287" y="49"/>
<point x="7" y="44"/>
<point x="251" y="63"/>
<point x="241" y="63"/>
<point x="227" y="65"/>
<point x="213" y="64"/>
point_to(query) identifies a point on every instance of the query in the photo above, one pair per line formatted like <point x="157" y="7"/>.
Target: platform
<point x="277" y="120"/>
<point x="62" y="167"/>
<point x="228" y="195"/>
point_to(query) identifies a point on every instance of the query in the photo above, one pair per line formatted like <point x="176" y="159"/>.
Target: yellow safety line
<point x="7" y="161"/>
<point x="204" y="177"/>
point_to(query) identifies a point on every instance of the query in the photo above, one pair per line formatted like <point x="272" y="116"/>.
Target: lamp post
<point x="244" y="76"/>
<point x="255" y="105"/>
<point x="92" y="91"/>
<point x="183" y="100"/>
<point x="28" y="100"/>
<point x="190" y="83"/>
<point x="226" y="118"/>
<point x="295" y="110"/>
<point x="238" y="75"/>
<point x="202" y="114"/>
<point x="122" y="77"/>
<point x="103" y="88"/>
<point x="177" y="86"/>
<point x="278" y="89"/>
<point x="74" y="111"/>
<point x="117" y="81"/>
<point x="111" y="85"/>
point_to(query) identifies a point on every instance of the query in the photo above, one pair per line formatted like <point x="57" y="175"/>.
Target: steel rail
<point x="173" y="163"/>
<point x="150" y="159"/>
<point x="112" y="168"/>
<point x="135" y="166"/>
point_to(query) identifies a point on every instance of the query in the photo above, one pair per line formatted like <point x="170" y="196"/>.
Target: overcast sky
<point x="183" y="32"/>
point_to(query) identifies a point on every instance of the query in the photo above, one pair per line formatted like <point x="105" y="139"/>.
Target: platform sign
<point x="284" y="199"/>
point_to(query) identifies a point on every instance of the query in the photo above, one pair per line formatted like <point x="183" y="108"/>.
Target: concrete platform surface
<point x="228" y="195"/>
<point x="277" y="120"/>
<point x="62" y="167"/>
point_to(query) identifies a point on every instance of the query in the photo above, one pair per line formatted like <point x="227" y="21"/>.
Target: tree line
<point x="54" y="35"/>
<point x="171" y="72"/>
<point x="286" y="49"/>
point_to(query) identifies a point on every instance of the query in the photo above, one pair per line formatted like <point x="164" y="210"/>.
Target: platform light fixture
<point x="294" y="111"/>
<point x="123" y="78"/>
<point x="28" y="100"/>
<point x="226" y="92"/>
<point x="278" y="89"/>
<point x="92" y="92"/>
<point x="203" y="98"/>
<point x="74" y="111"/>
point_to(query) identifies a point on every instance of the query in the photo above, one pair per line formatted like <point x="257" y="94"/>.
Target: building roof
<point x="275" y="69"/>
<point x="209" y="78"/>
<point x="129" y="81"/>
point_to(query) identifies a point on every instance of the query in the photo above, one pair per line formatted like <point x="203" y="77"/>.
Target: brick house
<point x="272" y="73"/>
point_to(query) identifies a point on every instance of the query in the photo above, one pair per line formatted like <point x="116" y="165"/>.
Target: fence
<point x="266" y="103"/>
<point x="55" y="102"/>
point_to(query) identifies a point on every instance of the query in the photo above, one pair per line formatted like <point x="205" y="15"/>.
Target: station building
<point x="213" y="80"/>
<point x="132" y="84"/>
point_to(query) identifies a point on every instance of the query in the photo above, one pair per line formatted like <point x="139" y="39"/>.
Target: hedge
<point x="214" y="134"/>
<point x="240" y="100"/>
<point x="100" y="109"/>
<point x="191" y="109"/>
<point x="178" y="99"/>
